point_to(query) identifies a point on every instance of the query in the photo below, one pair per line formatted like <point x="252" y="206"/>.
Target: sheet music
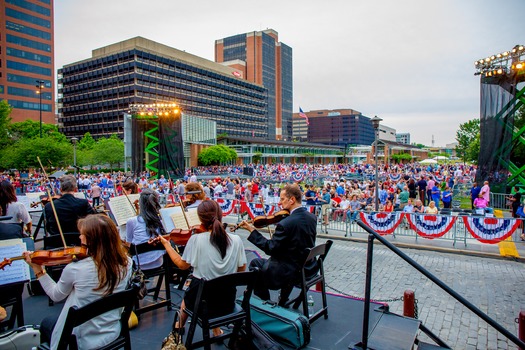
<point x="80" y="195"/>
<point x="18" y="271"/>
<point x="32" y="197"/>
<point x="173" y="218"/>
<point x="122" y="209"/>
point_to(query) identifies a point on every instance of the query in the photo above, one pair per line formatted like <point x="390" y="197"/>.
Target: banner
<point x="382" y="223"/>
<point x="431" y="226"/>
<point x="256" y="209"/>
<point x="297" y="177"/>
<point x="395" y="177"/>
<point x="490" y="230"/>
<point x="227" y="205"/>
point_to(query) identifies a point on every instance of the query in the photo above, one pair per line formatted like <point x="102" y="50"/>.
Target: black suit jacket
<point x="69" y="210"/>
<point x="287" y="248"/>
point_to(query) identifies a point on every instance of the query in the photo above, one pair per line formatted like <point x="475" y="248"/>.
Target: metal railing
<point x="372" y="235"/>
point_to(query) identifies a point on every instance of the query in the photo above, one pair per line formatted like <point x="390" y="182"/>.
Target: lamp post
<point x="40" y="86"/>
<point x="74" y="139"/>
<point x="375" y="123"/>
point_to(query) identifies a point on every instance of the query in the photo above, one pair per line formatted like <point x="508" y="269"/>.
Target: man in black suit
<point x="69" y="208"/>
<point x="287" y="247"/>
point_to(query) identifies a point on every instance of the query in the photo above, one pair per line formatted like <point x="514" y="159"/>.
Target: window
<point x="20" y="28"/>
<point x="29" y="105"/>
<point x="28" y="43"/>
<point x="28" y="55"/>
<point x="27" y="18"/>
<point x="28" y="68"/>
<point x="30" y="6"/>
<point x="27" y="93"/>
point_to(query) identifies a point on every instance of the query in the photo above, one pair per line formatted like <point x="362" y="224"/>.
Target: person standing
<point x="287" y="247"/>
<point x="474" y="192"/>
<point x="485" y="192"/>
<point x="96" y="191"/>
<point x="422" y="187"/>
<point x="447" y="198"/>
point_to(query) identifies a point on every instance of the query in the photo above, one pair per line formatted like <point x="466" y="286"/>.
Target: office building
<point x="27" y="59"/>
<point x="94" y="94"/>
<point x="338" y="127"/>
<point x="266" y="61"/>
<point x="403" y="137"/>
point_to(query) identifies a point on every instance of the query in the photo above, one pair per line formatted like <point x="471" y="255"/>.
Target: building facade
<point x="266" y="61"/>
<point x="403" y="137"/>
<point x="94" y="94"/>
<point x="338" y="127"/>
<point x="27" y="59"/>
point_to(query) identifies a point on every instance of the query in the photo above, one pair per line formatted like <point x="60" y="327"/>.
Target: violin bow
<point x="52" y="204"/>
<point x="125" y="194"/>
<point x="261" y="198"/>
<point x="183" y="210"/>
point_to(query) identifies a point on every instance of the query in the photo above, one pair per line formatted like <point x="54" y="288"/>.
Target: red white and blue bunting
<point x="382" y="223"/>
<point x="439" y="178"/>
<point x="431" y="226"/>
<point x="256" y="209"/>
<point x="297" y="177"/>
<point x="395" y="177"/>
<point x="227" y="205"/>
<point x="490" y="230"/>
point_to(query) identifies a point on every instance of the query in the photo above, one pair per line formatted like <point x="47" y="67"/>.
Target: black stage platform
<point x="342" y="329"/>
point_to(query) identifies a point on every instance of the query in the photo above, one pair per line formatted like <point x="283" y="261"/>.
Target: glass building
<point x="264" y="60"/>
<point x="95" y="93"/>
<point x="27" y="59"/>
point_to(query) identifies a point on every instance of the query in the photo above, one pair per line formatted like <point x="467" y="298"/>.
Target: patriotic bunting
<point x="395" y="177"/>
<point x="297" y="177"/>
<point x="382" y="223"/>
<point x="227" y="205"/>
<point x="490" y="230"/>
<point x="431" y="226"/>
<point x="256" y="209"/>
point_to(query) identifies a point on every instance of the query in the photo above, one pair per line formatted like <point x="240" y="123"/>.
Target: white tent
<point x="428" y="161"/>
<point x="440" y="158"/>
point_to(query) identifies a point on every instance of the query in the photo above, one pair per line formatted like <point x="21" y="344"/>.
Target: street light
<point x="40" y="86"/>
<point x="375" y="123"/>
<point x="74" y="139"/>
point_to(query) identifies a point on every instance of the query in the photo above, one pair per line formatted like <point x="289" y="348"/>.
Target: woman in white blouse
<point x="10" y="207"/>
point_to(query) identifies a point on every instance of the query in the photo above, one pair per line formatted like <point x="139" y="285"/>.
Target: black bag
<point x="260" y="340"/>
<point x="138" y="279"/>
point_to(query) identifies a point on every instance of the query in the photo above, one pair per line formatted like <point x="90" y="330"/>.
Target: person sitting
<point x="144" y="227"/>
<point x="389" y="207"/>
<point x="287" y="247"/>
<point x="419" y="208"/>
<point x="194" y="194"/>
<point x="130" y="187"/>
<point x="106" y="270"/>
<point x="431" y="209"/>
<point x="212" y="254"/>
<point x="481" y="204"/>
<point x="68" y="208"/>
<point x="354" y="207"/>
<point x="9" y="206"/>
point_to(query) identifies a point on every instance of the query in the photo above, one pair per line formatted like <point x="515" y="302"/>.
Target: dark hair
<point x="193" y="187"/>
<point x="7" y="195"/>
<point x="149" y="211"/>
<point x="106" y="250"/>
<point x="131" y="186"/>
<point x="210" y="215"/>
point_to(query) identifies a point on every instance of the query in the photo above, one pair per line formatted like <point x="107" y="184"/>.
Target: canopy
<point x="440" y="158"/>
<point x="428" y="161"/>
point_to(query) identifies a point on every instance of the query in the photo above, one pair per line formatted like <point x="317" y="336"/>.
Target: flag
<point x="302" y="115"/>
<point x="237" y="74"/>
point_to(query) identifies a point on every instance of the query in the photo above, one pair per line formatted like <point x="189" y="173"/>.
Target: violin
<point x="44" y="199"/>
<point x="181" y="236"/>
<point x="51" y="257"/>
<point x="265" y="220"/>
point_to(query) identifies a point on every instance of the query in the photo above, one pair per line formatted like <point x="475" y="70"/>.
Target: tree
<point x="86" y="142"/>
<point x="23" y="153"/>
<point x="467" y="137"/>
<point x="31" y="129"/>
<point x="5" y="120"/>
<point x="109" y="151"/>
<point x="218" y="154"/>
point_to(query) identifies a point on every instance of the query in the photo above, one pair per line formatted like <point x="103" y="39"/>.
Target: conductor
<point x="287" y="247"/>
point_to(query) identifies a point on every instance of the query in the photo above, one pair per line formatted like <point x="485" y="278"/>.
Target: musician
<point x="212" y="254"/>
<point x="194" y="194"/>
<point x="287" y="247"/>
<point x="130" y="187"/>
<point x="10" y="207"/>
<point x="146" y="226"/>
<point x="68" y="208"/>
<point x="105" y="271"/>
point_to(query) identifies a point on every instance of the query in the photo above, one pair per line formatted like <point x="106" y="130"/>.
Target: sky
<point x="410" y="62"/>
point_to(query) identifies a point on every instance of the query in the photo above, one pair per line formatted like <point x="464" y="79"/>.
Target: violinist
<point x="287" y="246"/>
<point x="146" y="226"/>
<point x="10" y="207"/>
<point x="194" y="194"/>
<point x="68" y="207"/>
<point x="106" y="270"/>
<point x="212" y="253"/>
<point x="130" y="187"/>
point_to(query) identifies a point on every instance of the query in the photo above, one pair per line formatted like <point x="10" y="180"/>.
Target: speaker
<point x="247" y="171"/>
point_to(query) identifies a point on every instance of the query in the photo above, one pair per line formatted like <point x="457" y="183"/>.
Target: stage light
<point x="519" y="65"/>
<point x="506" y="53"/>
<point x="500" y="71"/>
<point x="520" y="48"/>
<point x="505" y="62"/>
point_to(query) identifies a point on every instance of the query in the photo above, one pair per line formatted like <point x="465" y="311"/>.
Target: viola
<point x="43" y="200"/>
<point x="181" y="236"/>
<point x="265" y="220"/>
<point x="51" y="257"/>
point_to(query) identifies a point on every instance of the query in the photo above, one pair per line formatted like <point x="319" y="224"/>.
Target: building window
<point x="28" y="68"/>
<point x="28" y="55"/>
<point x="20" y="28"/>
<point x="13" y="39"/>
<point x="46" y="107"/>
<point x="11" y="90"/>
<point x="21" y="79"/>
<point x="30" y="6"/>
<point x="9" y="12"/>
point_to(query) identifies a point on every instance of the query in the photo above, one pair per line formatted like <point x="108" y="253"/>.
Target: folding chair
<point x="78" y="316"/>
<point x="207" y="320"/>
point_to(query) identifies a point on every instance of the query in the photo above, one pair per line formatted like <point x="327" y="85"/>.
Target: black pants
<point x="46" y="328"/>
<point x="260" y="289"/>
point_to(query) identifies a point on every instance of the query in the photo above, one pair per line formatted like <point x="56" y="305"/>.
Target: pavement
<point x="477" y="271"/>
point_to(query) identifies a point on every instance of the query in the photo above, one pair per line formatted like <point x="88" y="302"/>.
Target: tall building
<point x="403" y="137"/>
<point x="338" y="127"/>
<point x="27" y="59"/>
<point x="264" y="60"/>
<point x="95" y="93"/>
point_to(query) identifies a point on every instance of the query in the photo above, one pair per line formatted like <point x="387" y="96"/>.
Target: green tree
<point x="109" y="151"/>
<point x="30" y="129"/>
<point x="23" y="153"/>
<point x="467" y="137"/>
<point x="418" y="145"/>
<point x="5" y="120"/>
<point x="218" y="154"/>
<point x="86" y="142"/>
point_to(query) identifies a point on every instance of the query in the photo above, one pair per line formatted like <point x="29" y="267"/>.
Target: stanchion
<point x="409" y="304"/>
